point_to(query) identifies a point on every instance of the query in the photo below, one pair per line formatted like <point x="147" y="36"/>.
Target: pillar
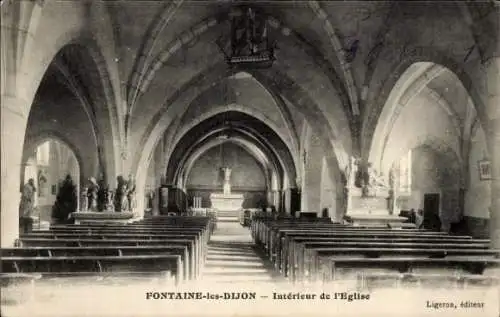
<point x="13" y="127"/>
<point x="495" y="185"/>
<point x="493" y="136"/>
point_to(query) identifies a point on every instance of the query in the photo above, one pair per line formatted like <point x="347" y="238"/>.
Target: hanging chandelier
<point x="251" y="46"/>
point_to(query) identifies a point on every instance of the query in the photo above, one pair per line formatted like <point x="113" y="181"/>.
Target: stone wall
<point x="246" y="172"/>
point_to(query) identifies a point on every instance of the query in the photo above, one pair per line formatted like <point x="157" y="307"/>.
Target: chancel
<point x="250" y="146"/>
<point x="227" y="201"/>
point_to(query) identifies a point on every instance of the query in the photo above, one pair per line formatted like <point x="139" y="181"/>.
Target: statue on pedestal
<point x="121" y="199"/>
<point x="92" y="194"/>
<point x="27" y="205"/>
<point x="66" y="201"/>
<point x="102" y="196"/>
<point x="350" y="173"/>
<point x="132" y="203"/>
<point x="227" y="177"/>
<point x="84" y="200"/>
<point x="373" y="181"/>
<point x="110" y="206"/>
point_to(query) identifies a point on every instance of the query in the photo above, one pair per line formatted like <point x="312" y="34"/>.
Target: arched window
<point x="43" y="162"/>
<point x="43" y="154"/>
<point x="405" y="173"/>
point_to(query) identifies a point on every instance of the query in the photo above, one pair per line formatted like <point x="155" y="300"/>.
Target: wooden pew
<point x="280" y="240"/>
<point x="119" y="250"/>
<point x="203" y="228"/>
<point x="289" y="236"/>
<point x="303" y="252"/>
<point x="198" y="245"/>
<point x="279" y="244"/>
<point x="326" y="267"/>
<point x="194" y="257"/>
<point x="150" y="262"/>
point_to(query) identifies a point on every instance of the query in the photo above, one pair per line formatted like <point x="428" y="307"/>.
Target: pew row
<point x="311" y="251"/>
<point x="94" y="264"/>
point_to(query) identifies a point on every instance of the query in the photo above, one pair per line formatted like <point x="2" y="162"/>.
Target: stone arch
<point x="264" y="163"/>
<point x="233" y="107"/>
<point x="53" y="135"/>
<point x="103" y="101"/>
<point x="262" y="137"/>
<point x="273" y="78"/>
<point x="385" y="88"/>
<point x="193" y="34"/>
<point x="411" y="83"/>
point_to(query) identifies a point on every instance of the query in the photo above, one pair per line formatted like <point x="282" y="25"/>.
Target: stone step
<point x="233" y="264"/>
<point x="232" y="257"/>
<point x="217" y="245"/>
<point x="227" y="219"/>
<point x="236" y="278"/>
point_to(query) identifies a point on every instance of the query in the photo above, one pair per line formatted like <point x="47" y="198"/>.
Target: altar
<point x="226" y="201"/>
<point x="370" y="204"/>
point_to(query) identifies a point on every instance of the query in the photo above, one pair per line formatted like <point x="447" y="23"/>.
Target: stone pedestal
<point x="102" y="217"/>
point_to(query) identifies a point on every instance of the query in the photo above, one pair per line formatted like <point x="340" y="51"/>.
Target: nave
<point x="156" y="146"/>
<point x="199" y="254"/>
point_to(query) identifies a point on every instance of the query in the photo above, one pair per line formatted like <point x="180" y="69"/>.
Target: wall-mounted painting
<point x="484" y="170"/>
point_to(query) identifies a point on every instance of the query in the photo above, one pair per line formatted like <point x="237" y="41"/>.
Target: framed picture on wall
<point x="484" y="170"/>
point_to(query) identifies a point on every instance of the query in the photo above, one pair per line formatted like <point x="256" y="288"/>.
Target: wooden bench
<point x="142" y="263"/>
<point x="177" y="234"/>
<point x="146" y="229"/>
<point x="326" y="267"/>
<point x="196" y="261"/>
<point x="280" y="245"/>
<point x="283" y="246"/>
<point x="107" y="250"/>
<point x="304" y="252"/>
<point x="297" y="248"/>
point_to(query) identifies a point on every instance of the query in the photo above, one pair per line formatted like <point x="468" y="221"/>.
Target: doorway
<point x="431" y="212"/>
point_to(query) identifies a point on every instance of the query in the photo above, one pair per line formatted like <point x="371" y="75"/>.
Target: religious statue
<point x="350" y="172"/>
<point x="375" y="180"/>
<point x="150" y="199"/>
<point x="93" y="188"/>
<point x="110" y="206"/>
<point x="227" y="177"/>
<point x="27" y="205"/>
<point x="102" y="198"/>
<point x="372" y="181"/>
<point x="131" y="200"/>
<point x="84" y="201"/>
<point x="66" y="200"/>
<point x="121" y="195"/>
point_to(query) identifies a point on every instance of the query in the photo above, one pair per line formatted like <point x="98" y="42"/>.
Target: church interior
<point x="247" y="142"/>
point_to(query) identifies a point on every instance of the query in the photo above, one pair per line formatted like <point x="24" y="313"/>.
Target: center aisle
<point x="233" y="257"/>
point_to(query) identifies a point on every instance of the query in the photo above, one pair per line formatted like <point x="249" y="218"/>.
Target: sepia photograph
<point x="237" y="158"/>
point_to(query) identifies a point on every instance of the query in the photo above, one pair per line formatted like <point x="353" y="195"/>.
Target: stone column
<point x="277" y="199"/>
<point x="495" y="184"/>
<point x="13" y="128"/>
<point x="493" y="107"/>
